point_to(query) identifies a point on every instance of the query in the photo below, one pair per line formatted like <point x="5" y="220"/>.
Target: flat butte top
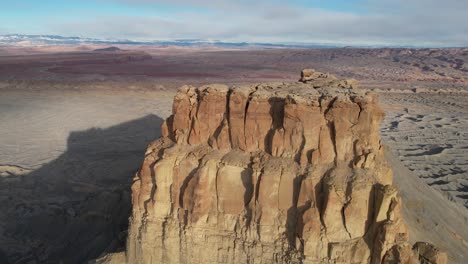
<point x="311" y="89"/>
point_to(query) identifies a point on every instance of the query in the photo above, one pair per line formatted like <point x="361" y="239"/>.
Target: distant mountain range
<point x="43" y="40"/>
<point x="37" y="40"/>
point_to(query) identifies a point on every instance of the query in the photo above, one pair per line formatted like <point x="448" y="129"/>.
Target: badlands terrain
<point x="76" y="121"/>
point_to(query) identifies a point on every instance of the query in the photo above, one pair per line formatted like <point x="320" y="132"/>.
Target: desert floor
<point x="74" y="131"/>
<point x="77" y="153"/>
<point x="429" y="134"/>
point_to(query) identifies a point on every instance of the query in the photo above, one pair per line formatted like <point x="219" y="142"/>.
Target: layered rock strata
<point x="269" y="173"/>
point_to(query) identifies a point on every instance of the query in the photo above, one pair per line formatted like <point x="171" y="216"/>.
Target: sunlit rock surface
<point x="269" y="173"/>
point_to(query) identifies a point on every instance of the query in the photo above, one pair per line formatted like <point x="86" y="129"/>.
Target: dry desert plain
<point x="75" y="123"/>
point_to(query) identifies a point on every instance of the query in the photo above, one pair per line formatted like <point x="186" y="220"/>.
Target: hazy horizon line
<point x="202" y="41"/>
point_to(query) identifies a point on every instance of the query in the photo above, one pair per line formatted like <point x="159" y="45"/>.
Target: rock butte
<point x="270" y="173"/>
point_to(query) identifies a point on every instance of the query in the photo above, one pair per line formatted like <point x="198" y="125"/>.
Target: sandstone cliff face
<point x="269" y="173"/>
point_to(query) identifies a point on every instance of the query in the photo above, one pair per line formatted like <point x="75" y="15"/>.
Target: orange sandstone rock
<point x="269" y="173"/>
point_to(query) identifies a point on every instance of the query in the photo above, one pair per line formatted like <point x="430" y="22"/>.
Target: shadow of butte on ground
<point x="75" y="207"/>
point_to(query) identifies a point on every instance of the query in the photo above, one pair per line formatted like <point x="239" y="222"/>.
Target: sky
<point x="346" y="22"/>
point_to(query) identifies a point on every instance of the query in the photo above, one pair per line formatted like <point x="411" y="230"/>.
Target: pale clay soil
<point x="74" y="127"/>
<point x="67" y="159"/>
<point x="429" y="134"/>
<point x="77" y="152"/>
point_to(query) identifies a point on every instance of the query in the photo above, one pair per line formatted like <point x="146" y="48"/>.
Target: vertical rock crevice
<point x="272" y="173"/>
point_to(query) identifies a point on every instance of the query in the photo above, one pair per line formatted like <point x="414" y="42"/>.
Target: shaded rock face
<point x="269" y="173"/>
<point x="428" y="253"/>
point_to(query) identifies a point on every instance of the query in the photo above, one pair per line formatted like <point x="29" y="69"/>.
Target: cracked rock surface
<point x="269" y="173"/>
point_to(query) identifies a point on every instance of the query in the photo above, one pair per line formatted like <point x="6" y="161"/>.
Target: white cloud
<point x="396" y="22"/>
